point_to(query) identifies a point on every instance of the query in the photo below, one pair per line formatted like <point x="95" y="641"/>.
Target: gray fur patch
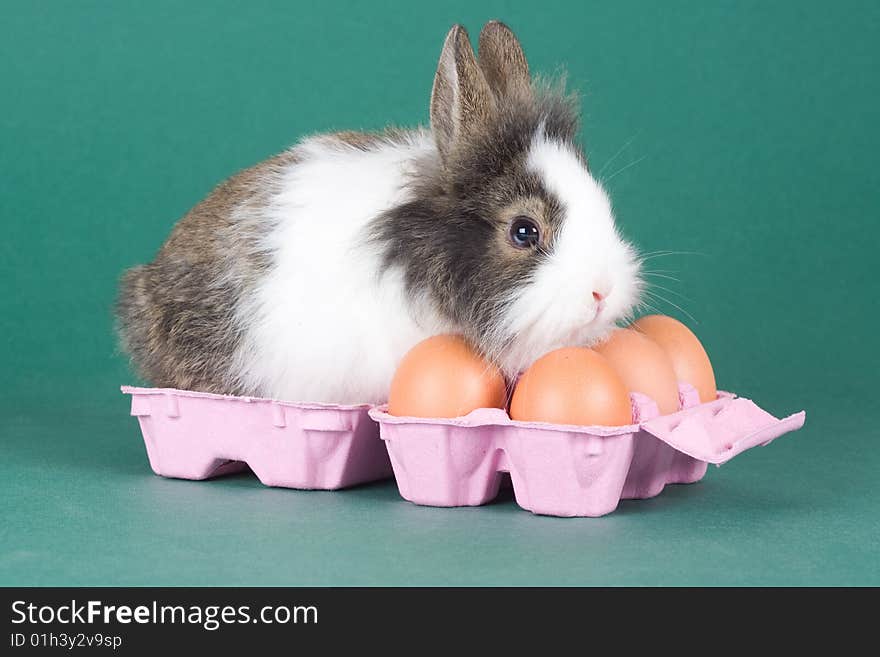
<point x="452" y="242"/>
<point x="176" y="316"/>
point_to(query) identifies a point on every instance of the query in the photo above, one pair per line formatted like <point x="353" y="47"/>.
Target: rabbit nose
<point x="598" y="296"/>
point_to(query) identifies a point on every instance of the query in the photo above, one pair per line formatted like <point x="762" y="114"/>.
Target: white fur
<point x="323" y="326"/>
<point x="557" y="307"/>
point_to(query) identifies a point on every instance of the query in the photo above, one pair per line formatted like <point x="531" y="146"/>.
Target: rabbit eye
<point x="524" y="233"/>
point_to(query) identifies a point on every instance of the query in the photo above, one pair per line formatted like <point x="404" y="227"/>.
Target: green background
<point x="746" y="141"/>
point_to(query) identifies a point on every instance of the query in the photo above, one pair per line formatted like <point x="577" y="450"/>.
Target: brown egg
<point x="643" y="366"/>
<point x="444" y="377"/>
<point x="689" y="359"/>
<point x="571" y="386"/>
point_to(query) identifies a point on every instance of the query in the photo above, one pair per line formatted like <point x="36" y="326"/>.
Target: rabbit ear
<point x="461" y="100"/>
<point x="503" y="61"/>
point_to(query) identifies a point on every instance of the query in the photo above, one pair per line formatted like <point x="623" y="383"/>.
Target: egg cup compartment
<point x="195" y="435"/>
<point x="655" y="463"/>
<point x="565" y="470"/>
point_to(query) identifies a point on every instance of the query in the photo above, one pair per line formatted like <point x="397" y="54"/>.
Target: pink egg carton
<point x="564" y="470"/>
<point x="197" y="435"/>
<point x="559" y="470"/>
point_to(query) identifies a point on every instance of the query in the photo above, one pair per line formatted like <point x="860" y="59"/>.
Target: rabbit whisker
<point x="619" y="171"/>
<point x="658" y="297"/>
<point x="617" y="154"/>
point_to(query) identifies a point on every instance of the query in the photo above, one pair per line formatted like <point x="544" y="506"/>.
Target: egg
<point x="573" y="385"/>
<point x="444" y="377"/>
<point x="643" y="367"/>
<point x="689" y="358"/>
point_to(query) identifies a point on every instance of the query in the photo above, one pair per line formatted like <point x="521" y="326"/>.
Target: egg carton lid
<point x="717" y="431"/>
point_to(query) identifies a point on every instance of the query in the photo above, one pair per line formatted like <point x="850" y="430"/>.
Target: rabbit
<point x="308" y="276"/>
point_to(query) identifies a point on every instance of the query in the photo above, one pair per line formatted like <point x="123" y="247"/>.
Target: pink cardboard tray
<point x="572" y="470"/>
<point x="555" y="469"/>
<point x="196" y="435"/>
